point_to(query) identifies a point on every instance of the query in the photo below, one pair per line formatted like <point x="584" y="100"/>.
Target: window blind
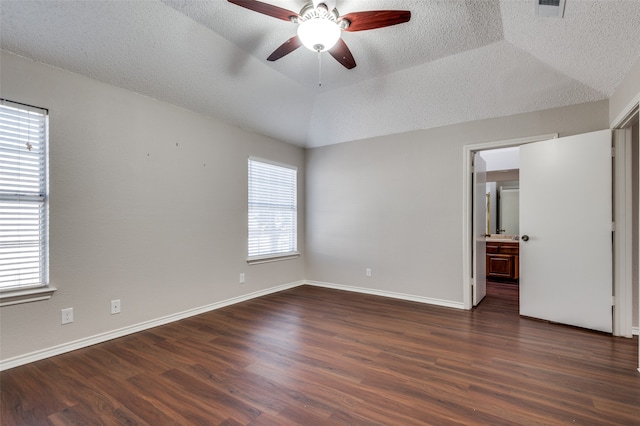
<point x="23" y="193"/>
<point x="272" y="209"/>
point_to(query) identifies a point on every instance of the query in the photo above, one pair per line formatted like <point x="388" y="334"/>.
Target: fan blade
<point x="285" y="48"/>
<point x="342" y="54"/>
<point x="266" y="9"/>
<point x="360" y="21"/>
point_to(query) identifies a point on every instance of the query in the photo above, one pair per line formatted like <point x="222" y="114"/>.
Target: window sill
<point x="272" y="258"/>
<point x="16" y="297"/>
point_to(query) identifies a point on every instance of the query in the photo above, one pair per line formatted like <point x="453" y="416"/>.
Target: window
<point x="23" y="197"/>
<point x="272" y="211"/>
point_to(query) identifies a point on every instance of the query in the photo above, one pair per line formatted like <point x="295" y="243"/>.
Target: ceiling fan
<point x="320" y="26"/>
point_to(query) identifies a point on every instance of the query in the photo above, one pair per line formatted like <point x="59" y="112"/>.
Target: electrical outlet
<point x="67" y="315"/>
<point x="115" y="306"/>
<point x="368" y="272"/>
<point x="242" y="278"/>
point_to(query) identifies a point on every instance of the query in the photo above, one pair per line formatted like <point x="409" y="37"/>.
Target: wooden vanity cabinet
<point x="502" y="260"/>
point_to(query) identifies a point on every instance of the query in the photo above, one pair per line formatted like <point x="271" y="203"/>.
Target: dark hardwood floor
<point x="314" y="356"/>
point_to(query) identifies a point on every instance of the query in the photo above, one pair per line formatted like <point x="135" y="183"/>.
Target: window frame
<point x="41" y="290"/>
<point x="275" y="255"/>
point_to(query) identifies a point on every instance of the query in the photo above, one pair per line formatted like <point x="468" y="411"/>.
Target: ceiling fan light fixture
<point x="320" y="26"/>
<point x="319" y="34"/>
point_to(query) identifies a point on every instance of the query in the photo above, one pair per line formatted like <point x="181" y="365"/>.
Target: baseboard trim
<point x="114" y="334"/>
<point x="635" y="331"/>
<point x="391" y="294"/>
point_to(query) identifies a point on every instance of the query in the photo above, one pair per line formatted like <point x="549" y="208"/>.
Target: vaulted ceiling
<point x="455" y="61"/>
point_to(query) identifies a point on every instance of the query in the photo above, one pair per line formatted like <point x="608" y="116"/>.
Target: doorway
<point x="469" y="233"/>
<point x="559" y="174"/>
<point x="502" y="234"/>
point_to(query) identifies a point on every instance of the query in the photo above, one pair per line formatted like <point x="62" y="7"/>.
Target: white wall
<point x="148" y="205"/>
<point x="394" y="203"/>
<point x="502" y="159"/>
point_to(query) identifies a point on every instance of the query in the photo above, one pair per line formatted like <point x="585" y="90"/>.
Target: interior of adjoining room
<point x="503" y="231"/>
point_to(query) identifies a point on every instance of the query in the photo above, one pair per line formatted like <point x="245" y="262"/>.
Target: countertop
<point x="500" y="238"/>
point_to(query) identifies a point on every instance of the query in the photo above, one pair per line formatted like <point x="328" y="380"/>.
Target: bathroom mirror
<point x="509" y="210"/>
<point x="503" y="182"/>
<point x="503" y="212"/>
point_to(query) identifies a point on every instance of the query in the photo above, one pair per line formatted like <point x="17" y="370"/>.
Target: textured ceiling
<point x="455" y="61"/>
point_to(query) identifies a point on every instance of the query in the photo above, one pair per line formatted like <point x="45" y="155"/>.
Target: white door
<point x="479" y="228"/>
<point x="565" y="228"/>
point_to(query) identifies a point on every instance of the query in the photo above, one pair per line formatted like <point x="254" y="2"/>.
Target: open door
<point x="565" y="227"/>
<point x="479" y="228"/>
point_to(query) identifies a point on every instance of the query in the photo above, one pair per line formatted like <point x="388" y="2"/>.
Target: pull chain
<point x="319" y="69"/>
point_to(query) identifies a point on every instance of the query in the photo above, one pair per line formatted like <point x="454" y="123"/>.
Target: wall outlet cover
<point x="67" y="315"/>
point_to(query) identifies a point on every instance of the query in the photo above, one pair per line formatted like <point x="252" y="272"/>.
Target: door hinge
<point x="613" y="301"/>
<point x="613" y="152"/>
<point x="613" y="227"/>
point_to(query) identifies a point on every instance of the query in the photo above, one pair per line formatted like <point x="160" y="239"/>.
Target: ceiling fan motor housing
<point x="321" y="11"/>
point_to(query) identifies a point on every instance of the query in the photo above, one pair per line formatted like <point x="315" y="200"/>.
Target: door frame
<point x="623" y="215"/>
<point x="467" y="205"/>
